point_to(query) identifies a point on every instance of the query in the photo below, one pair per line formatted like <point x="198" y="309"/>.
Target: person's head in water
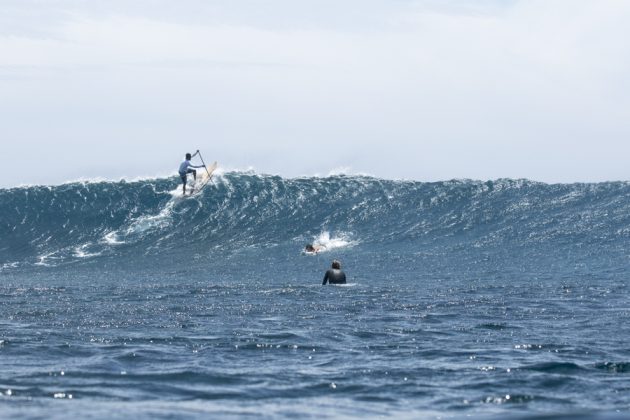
<point x="309" y="248"/>
<point x="188" y="156"/>
<point x="336" y="265"/>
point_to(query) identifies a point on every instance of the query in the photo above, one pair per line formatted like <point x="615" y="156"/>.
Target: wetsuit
<point x="334" y="276"/>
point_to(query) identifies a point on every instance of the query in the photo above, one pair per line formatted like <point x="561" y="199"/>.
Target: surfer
<point x="335" y="275"/>
<point x="312" y="248"/>
<point x="185" y="169"/>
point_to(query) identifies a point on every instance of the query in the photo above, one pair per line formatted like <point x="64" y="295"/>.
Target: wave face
<point x="464" y="222"/>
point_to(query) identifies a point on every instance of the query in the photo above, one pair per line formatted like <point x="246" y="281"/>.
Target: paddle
<point x="204" y="164"/>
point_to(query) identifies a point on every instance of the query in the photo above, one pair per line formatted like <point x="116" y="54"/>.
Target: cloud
<point x="419" y="89"/>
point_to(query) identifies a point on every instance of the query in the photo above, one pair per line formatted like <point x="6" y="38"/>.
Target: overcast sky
<point x="413" y="89"/>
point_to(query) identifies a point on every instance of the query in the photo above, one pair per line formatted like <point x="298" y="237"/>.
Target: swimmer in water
<point x="335" y="275"/>
<point x="312" y="249"/>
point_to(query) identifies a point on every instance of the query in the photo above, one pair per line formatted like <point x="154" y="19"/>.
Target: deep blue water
<point x="504" y="298"/>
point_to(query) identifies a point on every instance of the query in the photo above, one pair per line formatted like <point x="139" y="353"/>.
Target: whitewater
<point x="503" y="298"/>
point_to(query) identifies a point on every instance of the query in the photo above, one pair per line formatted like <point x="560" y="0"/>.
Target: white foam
<point x="98" y="180"/>
<point x="150" y="222"/>
<point x="325" y="242"/>
<point x="141" y="225"/>
<point x="42" y="259"/>
<point x="82" y="252"/>
<point x="9" y="266"/>
<point x="112" y="238"/>
<point x="342" y="170"/>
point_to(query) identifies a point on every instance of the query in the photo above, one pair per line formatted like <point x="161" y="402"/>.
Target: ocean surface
<point x="497" y="299"/>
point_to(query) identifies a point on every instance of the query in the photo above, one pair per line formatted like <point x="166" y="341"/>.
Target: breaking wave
<point x="473" y="220"/>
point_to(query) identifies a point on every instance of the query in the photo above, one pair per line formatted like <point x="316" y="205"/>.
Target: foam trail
<point x="324" y="242"/>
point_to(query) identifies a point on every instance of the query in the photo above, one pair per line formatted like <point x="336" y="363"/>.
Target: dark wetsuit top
<point x="334" y="276"/>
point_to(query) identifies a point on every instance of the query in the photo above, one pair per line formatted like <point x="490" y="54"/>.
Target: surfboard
<point x="203" y="178"/>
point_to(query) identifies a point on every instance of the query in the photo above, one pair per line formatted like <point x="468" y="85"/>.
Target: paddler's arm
<point x="325" y="278"/>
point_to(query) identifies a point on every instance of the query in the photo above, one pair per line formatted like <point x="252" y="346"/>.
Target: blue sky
<point x="424" y="90"/>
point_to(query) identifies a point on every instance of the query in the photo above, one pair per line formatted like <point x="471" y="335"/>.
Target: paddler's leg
<point x="183" y="177"/>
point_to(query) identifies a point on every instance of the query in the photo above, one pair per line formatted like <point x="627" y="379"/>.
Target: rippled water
<point x="437" y="321"/>
<point x="370" y="348"/>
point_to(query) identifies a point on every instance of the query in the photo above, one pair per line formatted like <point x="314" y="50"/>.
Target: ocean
<point x="465" y="299"/>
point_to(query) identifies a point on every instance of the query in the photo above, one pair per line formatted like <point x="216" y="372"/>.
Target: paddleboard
<point x="203" y="178"/>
